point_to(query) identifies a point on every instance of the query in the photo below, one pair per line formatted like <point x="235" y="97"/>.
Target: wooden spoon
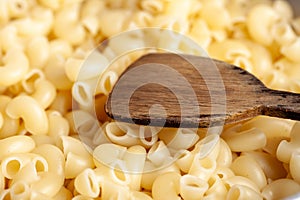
<point x="173" y="90"/>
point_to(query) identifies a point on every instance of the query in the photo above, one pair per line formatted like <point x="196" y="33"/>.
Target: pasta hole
<point x="39" y="166"/>
<point x="117" y="131"/>
<point x="82" y="93"/>
<point x="91" y="183"/>
<point x="220" y="175"/>
<point x="211" y="181"/>
<point x="13" y="167"/>
<point x="193" y="185"/>
<point x="119" y="175"/>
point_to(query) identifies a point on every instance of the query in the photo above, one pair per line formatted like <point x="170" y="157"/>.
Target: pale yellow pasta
<point x="201" y="33"/>
<point x="241" y="180"/>
<point x="155" y="6"/>
<point x="192" y="187"/>
<point x="166" y="186"/>
<point x="290" y="50"/>
<point x="272" y="168"/>
<point x="54" y="4"/>
<point x="223" y="173"/>
<point x="33" y="115"/>
<point x="111" y="190"/>
<point x="248" y="167"/>
<point x="118" y="16"/>
<point x="296" y="25"/>
<point x="79" y="161"/>
<point x="16" y="144"/>
<point x="209" y="146"/>
<point x="36" y="195"/>
<point x="122" y="134"/>
<point x="178" y="138"/>
<point x="134" y="159"/>
<point x="60" y="47"/>
<point x="135" y="195"/>
<point x="53" y="156"/>
<point x="54" y="72"/>
<point x="148" y="136"/>
<point x="44" y="93"/>
<point x="247" y="140"/>
<point x="30" y="78"/>
<point x="17" y="8"/>
<point x="10" y="39"/>
<point x="15" y="67"/>
<point x="38" y="51"/>
<point x="66" y="19"/>
<point x="42" y="139"/>
<point x="62" y="102"/>
<point x="284" y="9"/>
<point x="217" y="188"/>
<point x="38" y="23"/>
<point x="285" y="148"/>
<point x="27" y="173"/>
<point x="185" y="160"/>
<point x="159" y="154"/>
<point x="224" y="158"/>
<point x="1" y="120"/>
<point x="63" y="194"/>
<point x="203" y="167"/>
<point x="242" y="192"/>
<point x="10" y="126"/>
<point x="106" y="82"/>
<point x="267" y="16"/>
<point x="152" y="172"/>
<point x="280" y="188"/>
<point x="294" y="166"/>
<point x="275" y="129"/>
<point x="20" y="190"/>
<point x="49" y="184"/>
<point x="13" y="164"/>
<point x="58" y="125"/>
<point x="86" y="183"/>
<point x="220" y="21"/>
<point x="4" y="16"/>
<point x="283" y="33"/>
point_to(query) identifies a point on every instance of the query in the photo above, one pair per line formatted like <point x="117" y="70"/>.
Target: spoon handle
<point x="281" y="104"/>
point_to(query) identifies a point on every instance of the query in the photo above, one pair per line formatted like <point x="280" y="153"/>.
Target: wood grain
<point x="202" y="94"/>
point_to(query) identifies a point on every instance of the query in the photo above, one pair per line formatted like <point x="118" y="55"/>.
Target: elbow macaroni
<point x="53" y="146"/>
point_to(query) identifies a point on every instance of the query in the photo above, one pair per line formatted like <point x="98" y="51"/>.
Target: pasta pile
<point x="44" y="103"/>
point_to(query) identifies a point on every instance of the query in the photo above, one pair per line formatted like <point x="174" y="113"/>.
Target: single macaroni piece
<point x="58" y="125"/>
<point x="294" y="166"/>
<point x="240" y="192"/>
<point x="16" y="144"/>
<point x="280" y="188"/>
<point x="15" y="67"/>
<point x="248" y="167"/>
<point x="34" y="116"/>
<point x="290" y="49"/>
<point x="166" y="186"/>
<point x="87" y="184"/>
<point x="203" y="167"/>
<point x="20" y="190"/>
<point x="192" y="187"/>
<point x="10" y="126"/>
<point x="38" y="52"/>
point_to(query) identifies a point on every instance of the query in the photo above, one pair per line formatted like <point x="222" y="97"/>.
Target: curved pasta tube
<point x="295" y="166"/>
<point x="58" y="125"/>
<point x="87" y="184"/>
<point x="134" y="159"/>
<point x="34" y="116"/>
<point x="272" y="168"/>
<point x="223" y="20"/>
<point x="178" y="139"/>
<point x="111" y="190"/>
<point x="107" y="81"/>
<point x="241" y="192"/>
<point x="15" y="67"/>
<point x="216" y="188"/>
<point x="12" y="165"/>
<point x="290" y="50"/>
<point x="20" y="190"/>
<point x="192" y="187"/>
<point x="280" y="188"/>
<point x="67" y="19"/>
<point x="208" y="147"/>
<point x="122" y="133"/>
<point x="246" y="166"/>
<point x="224" y="158"/>
<point x="155" y="6"/>
<point x="267" y="17"/>
<point x="247" y="140"/>
<point x="79" y="161"/>
<point x="38" y="52"/>
<point x="39" y="23"/>
<point x="224" y="173"/>
<point x="54" y="157"/>
<point x="45" y="93"/>
<point x="283" y="33"/>
<point x="166" y="186"/>
<point x="240" y="180"/>
<point x="286" y="149"/>
<point x="185" y="160"/>
<point x="139" y="195"/>
<point x="64" y="193"/>
<point x="159" y="154"/>
<point x="49" y="184"/>
<point x="203" y="167"/>
<point x="9" y="126"/>
<point x="16" y="144"/>
<point x="30" y="79"/>
<point x="10" y="39"/>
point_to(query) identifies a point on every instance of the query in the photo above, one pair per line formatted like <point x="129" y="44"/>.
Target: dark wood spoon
<point x="174" y="90"/>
